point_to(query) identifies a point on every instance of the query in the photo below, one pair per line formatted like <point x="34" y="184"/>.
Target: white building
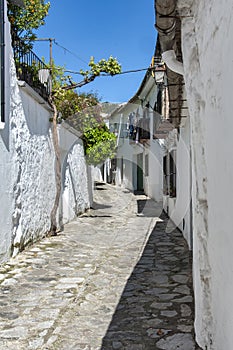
<point x="177" y="199"/>
<point x="138" y="164"/>
<point x="27" y="186"/>
<point x="199" y="35"/>
<point x="153" y="155"/>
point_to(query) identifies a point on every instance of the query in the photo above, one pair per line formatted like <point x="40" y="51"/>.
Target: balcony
<point x="32" y="70"/>
<point x="141" y="131"/>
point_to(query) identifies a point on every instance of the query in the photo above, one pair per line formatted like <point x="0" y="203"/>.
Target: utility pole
<point x="51" y="53"/>
<point x="50" y="49"/>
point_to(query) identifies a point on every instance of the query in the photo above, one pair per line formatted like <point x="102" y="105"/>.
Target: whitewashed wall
<point x="25" y="164"/>
<point x="208" y="57"/>
<point x="179" y="208"/>
<point x="75" y="190"/>
<point x="129" y="149"/>
<point x="27" y="186"/>
<point x="28" y="158"/>
<point x="27" y="170"/>
<point x="5" y="163"/>
<point x="153" y="183"/>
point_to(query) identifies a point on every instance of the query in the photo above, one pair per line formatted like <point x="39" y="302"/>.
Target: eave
<point x="168" y="25"/>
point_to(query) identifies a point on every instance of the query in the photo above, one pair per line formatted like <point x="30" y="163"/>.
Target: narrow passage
<point x="113" y="279"/>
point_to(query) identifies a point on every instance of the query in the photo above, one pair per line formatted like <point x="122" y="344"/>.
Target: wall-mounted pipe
<point x="169" y="57"/>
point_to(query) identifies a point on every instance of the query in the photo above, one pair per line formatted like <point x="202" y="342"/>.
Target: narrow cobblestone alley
<point x="113" y="279"/>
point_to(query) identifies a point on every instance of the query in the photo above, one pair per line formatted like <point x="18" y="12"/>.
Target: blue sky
<point x="123" y="29"/>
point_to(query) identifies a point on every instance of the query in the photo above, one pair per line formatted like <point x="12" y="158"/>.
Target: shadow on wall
<point x="145" y="313"/>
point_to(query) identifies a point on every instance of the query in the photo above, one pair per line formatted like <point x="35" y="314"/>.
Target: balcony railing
<point x="140" y="132"/>
<point x="144" y="129"/>
<point x="32" y="70"/>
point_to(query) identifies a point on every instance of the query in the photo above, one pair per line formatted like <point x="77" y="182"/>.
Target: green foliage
<point x="110" y="66"/>
<point x="100" y="144"/>
<point x="25" y="20"/>
<point x="72" y="103"/>
<point x="68" y="101"/>
<point x="83" y="112"/>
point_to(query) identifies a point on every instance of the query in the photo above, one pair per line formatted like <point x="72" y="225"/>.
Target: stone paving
<point x="113" y="279"/>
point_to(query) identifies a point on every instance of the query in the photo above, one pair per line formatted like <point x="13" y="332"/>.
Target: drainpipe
<point x="2" y="71"/>
<point x="169" y="57"/>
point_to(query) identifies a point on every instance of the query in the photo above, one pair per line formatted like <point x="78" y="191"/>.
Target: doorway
<point x="140" y="172"/>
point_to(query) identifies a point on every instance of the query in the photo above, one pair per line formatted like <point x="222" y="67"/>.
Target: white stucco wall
<point x="75" y="178"/>
<point x="154" y="181"/>
<point x="27" y="186"/>
<point x="25" y="165"/>
<point x="27" y="170"/>
<point x="180" y="207"/>
<point x="5" y="161"/>
<point x="30" y="157"/>
<point x="208" y="57"/>
<point x="128" y="149"/>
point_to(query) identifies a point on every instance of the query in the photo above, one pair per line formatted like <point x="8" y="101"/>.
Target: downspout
<point x="169" y="57"/>
<point x="2" y="71"/>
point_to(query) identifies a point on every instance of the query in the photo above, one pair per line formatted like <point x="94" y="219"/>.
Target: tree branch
<point x="80" y="84"/>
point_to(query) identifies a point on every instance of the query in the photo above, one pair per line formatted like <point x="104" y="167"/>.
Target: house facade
<point x="195" y="41"/>
<point x="139" y="157"/>
<point x="153" y="153"/>
<point x="27" y="157"/>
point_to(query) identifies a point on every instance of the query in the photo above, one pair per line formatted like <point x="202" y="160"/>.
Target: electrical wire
<point x="70" y="52"/>
<point x="103" y="74"/>
<point x="124" y="72"/>
<point x="75" y="72"/>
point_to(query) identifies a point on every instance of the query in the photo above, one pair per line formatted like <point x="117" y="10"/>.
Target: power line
<point x="103" y="74"/>
<point x="70" y="52"/>
<point x="127" y="71"/>
<point x="124" y="72"/>
<point x="91" y="78"/>
<point x="107" y="74"/>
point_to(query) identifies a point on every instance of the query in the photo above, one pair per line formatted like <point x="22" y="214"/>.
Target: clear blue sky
<point x="123" y="29"/>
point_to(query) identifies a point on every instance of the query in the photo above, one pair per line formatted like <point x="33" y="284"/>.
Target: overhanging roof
<point x="168" y="24"/>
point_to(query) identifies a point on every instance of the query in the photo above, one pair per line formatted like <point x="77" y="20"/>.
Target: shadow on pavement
<point x="157" y="303"/>
<point x="99" y="186"/>
<point x="97" y="206"/>
<point x="149" y="208"/>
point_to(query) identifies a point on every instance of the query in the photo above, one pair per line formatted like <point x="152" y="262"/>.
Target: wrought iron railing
<point x="141" y="131"/>
<point x="31" y="69"/>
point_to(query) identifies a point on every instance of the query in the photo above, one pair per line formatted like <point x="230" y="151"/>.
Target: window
<point x="169" y="174"/>
<point x="165" y="176"/>
<point x="172" y="161"/>
<point x="158" y="103"/>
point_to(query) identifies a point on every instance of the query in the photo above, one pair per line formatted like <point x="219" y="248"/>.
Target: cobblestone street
<point x="113" y="279"/>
